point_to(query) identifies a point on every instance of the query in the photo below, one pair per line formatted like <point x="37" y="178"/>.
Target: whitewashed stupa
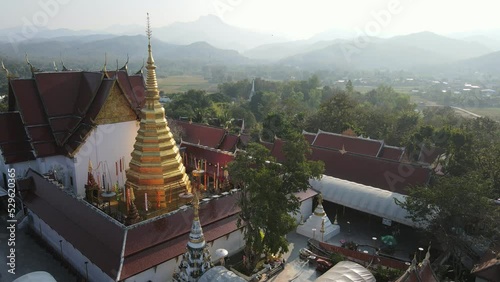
<point x="318" y="225"/>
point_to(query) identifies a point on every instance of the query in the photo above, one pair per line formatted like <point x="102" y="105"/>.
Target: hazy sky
<point x="295" y="18"/>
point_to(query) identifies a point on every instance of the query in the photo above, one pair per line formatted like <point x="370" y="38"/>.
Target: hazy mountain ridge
<point x="119" y="47"/>
<point x="400" y="52"/>
<point x="213" y="30"/>
<point x="454" y="49"/>
<point x="489" y="63"/>
<point x="209" y="40"/>
<point x="278" y="51"/>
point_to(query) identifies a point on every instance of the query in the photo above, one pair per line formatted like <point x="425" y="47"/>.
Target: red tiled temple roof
<point x="102" y="240"/>
<point x="489" y="266"/>
<point x="14" y="142"/>
<point x="95" y="236"/>
<point x="419" y="273"/>
<point x="58" y="109"/>
<point x="277" y="150"/>
<point x="200" y="134"/>
<point x="172" y="248"/>
<point x="384" y="174"/>
<point x="372" y="171"/>
<point x="229" y="143"/>
<point x="356" y="145"/>
<point x="392" y="153"/>
<point x="212" y="156"/>
<point x="266" y="144"/>
<point x="86" y="125"/>
<point x="66" y="96"/>
<point x="218" y="218"/>
<point x="309" y="136"/>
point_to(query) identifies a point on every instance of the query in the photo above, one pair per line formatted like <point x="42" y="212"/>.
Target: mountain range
<point x="209" y="40"/>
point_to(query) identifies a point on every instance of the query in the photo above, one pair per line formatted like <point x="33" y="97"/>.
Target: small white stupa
<point x="318" y="226"/>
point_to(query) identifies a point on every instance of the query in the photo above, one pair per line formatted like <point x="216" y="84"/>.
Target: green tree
<point x="267" y="197"/>
<point x="334" y="115"/>
<point x="458" y="212"/>
<point x="194" y="104"/>
<point x="348" y="87"/>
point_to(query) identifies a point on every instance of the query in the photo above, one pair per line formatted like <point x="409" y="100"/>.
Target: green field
<point x="182" y="83"/>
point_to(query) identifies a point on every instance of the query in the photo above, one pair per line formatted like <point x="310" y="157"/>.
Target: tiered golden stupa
<point x="156" y="175"/>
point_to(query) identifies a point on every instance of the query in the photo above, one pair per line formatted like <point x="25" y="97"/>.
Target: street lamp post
<point x="314" y="233"/>
<point x="349" y="227"/>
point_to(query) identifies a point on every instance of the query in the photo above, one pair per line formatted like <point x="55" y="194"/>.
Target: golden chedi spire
<point x="156" y="175"/>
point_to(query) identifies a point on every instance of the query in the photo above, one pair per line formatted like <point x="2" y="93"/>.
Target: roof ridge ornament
<point x="7" y="72"/>
<point x="125" y="67"/>
<point x="142" y="67"/>
<point x="32" y="68"/>
<point x="62" y="63"/>
<point x="55" y="66"/>
<point x="105" y="63"/>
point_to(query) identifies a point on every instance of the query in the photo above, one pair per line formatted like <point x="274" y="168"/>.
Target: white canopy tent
<point x="347" y="271"/>
<point x="220" y="274"/>
<point x="363" y="198"/>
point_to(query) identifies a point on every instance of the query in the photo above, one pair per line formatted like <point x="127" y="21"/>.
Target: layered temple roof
<point x="157" y="174"/>
<point x="107" y="243"/>
<point x="360" y="160"/>
<point x="53" y="112"/>
<point x="419" y="272"/>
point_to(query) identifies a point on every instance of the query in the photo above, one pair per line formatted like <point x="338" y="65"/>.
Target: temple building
<point x="87" y="147"/>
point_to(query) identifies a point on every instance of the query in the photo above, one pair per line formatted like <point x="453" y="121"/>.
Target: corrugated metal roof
<point x="364" y="198"/>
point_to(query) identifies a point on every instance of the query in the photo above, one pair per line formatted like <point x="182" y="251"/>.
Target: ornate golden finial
<point x="320" y="199"/>
<point x="150" y="52"/>
<point x="90" y="165"/>
<point x="148" y="30"/>
<point x="196" y="205"/>
<point x="152" y="94"/>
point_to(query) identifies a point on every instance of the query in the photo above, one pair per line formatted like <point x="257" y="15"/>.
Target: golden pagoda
<point x="156" y="174"/>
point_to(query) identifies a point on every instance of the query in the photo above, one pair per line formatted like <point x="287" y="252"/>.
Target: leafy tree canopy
<point x="267" y="198"/>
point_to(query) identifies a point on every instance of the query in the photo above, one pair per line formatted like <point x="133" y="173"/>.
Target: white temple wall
<point x="305" y="210"/>
<point x="71" y="254"/>
<point x="104" y="147"/>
